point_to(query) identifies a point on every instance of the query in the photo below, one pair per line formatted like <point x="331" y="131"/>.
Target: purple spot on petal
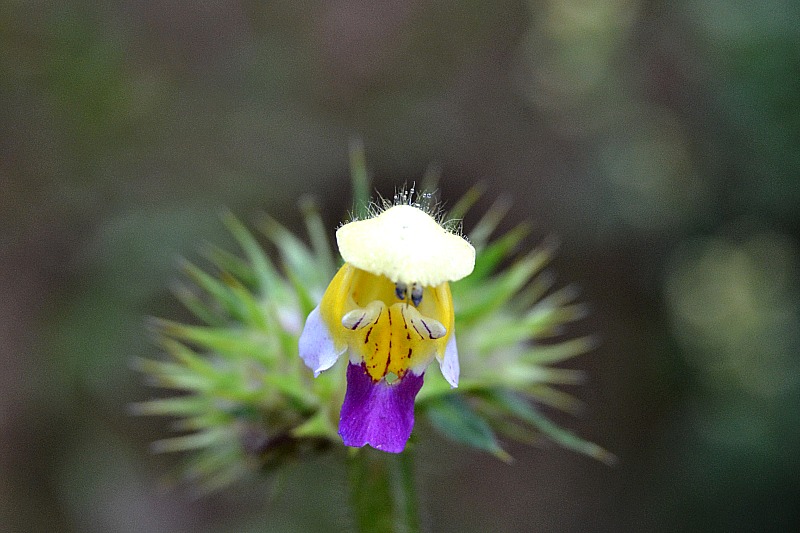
<point x="379" y="414"/>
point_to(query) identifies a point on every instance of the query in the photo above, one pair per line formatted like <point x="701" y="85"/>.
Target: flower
<point x="242" y="399"/>
<point x="390" y="306"/>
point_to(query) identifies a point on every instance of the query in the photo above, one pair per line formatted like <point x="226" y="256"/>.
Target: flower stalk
<point x="383" y="491"/>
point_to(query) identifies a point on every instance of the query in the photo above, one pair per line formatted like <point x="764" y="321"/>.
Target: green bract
<point x="247" y="400"/>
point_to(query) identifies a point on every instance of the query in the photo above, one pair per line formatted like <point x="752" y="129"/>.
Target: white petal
<point x="449" y="363"/>
<point x="316" y="345"/>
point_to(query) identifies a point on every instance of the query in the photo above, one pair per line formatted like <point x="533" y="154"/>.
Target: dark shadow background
<point x="659" y="140"/>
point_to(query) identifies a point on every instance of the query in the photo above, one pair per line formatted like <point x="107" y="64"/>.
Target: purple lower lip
<point x="378" y="413"/>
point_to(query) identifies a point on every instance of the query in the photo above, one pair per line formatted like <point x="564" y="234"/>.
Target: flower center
<point x="394" y="327"/>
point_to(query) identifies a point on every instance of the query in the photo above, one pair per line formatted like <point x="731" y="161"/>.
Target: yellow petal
<point x="405" y="244"/>
<point x="361" y="311"/>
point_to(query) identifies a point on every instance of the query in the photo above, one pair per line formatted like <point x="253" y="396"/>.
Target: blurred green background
<point x="659" y="140"/>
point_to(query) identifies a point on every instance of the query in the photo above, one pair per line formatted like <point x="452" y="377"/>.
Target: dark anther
<point x="400" y="290"/>
<point x="416" y="294"/>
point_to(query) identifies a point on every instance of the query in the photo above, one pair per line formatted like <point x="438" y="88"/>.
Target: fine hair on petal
<point x="426" y="200"/>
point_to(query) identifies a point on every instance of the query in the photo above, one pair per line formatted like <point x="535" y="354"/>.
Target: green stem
<point x="382" y="492"/>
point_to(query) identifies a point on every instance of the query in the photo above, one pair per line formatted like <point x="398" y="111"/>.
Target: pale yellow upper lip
<point x="407" y="245"/>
